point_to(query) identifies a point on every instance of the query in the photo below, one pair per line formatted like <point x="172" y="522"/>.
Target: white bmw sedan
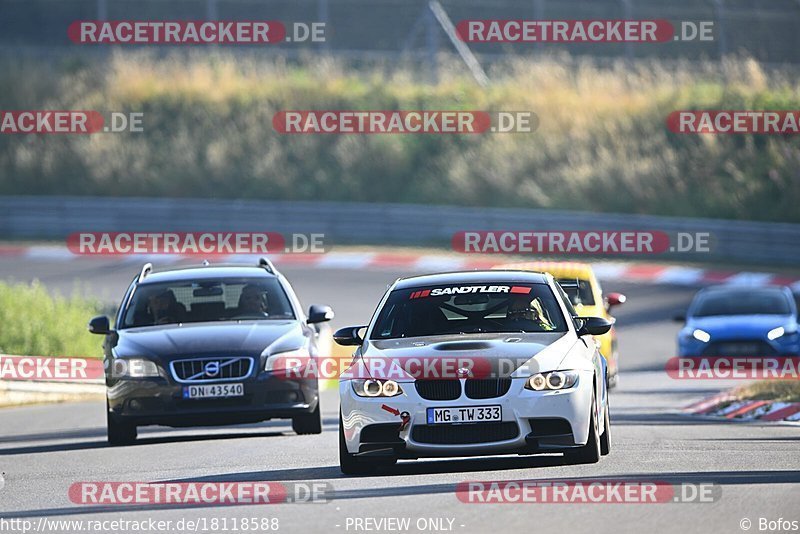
<point x="472" y="364"/>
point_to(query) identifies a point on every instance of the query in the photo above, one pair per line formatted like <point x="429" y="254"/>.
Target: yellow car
<point x="583" y="289"/>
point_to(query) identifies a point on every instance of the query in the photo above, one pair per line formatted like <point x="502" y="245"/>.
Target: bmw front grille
<point x="475" y="388"/>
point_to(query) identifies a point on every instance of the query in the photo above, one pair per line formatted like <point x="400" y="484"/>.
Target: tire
<point x="613" y="380"/>
<point x="605" y="437"/>
<point x="309" y="423"/>
<point x="119" y="433"/>
<point x="348" y="463"/>
<point x="589" y="453"/>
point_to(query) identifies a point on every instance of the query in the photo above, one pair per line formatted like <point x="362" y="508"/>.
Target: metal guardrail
<point x="28" y="217"/>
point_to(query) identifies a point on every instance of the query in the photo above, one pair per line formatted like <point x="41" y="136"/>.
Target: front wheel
<point x="605" y="438"/>
<point x="589" y="453"/>
<point x="613" y="380"/>
<point x="119" y="433"/>
<point x="308" y="423"/>
<point x="352" y="465"/>
<point x="348" y="463"/>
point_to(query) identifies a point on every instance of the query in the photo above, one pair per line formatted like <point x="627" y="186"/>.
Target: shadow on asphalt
<point x="662" y="419"/>
<point x="330" y="423"/>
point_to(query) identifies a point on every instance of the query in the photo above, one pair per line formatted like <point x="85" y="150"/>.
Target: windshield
<point x="743" y="302"/>
<point x="467" y="309"/>
<point x="578" y="291"/>
<point x="207" y="300"/>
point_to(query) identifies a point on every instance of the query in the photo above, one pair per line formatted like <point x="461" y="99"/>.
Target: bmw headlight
<point x="701" y="335"/>
<point x="134" y="368"/>
<point x="552" y="380"/>
<point x="376" y="388"/>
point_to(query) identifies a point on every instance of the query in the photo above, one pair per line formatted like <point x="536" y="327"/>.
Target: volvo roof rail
<point x="146" y="269"/>
<point x="266" y="264"/>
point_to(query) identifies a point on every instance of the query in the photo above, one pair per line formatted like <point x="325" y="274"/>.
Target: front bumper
<point x="160" y="401"/>
<point x="532" y="421"/>
<point x="688" y="347"/>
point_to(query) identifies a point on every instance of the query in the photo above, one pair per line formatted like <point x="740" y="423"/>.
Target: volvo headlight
<point x="376" y="388"/>
<point x="133" y="368"/>
<point x="552" y="380"/>
<point x="289" y="361"/>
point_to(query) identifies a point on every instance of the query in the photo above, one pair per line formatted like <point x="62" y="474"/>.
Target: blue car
<point x="740" y="321"/>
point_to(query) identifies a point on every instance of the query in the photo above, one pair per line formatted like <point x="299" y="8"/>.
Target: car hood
<point x="738" y="326"/>
<point x="495" y="355"/>
<point x="251" y="338"/>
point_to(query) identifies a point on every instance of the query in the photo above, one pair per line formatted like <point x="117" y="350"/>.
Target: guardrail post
<point x="322" y="16"/>
<point x="211" y="10"/>
<point x="627" y="14"/>
<point x="432" y="44"/>
<point x="102" y="9"/>
<point x="719" y="15"/>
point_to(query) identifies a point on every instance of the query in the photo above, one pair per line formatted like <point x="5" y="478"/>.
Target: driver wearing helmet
<point x="527" y="315"/>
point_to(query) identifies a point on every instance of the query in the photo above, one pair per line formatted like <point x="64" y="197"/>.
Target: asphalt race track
<point x="45" y="449"/>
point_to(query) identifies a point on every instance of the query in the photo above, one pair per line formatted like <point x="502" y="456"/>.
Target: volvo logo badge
<point x="212" y="368"/>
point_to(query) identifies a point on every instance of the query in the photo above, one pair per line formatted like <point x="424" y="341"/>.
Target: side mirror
<point x="99" y="325"/>
<point x="615" y="299"/>
<point x="594" y="326"/>
<point x="319" y="314"/>
<point x="679" y="317"/>
<point x="348" y="336"/>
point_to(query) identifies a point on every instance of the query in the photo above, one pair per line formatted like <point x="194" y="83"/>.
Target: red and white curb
<point x="605" y="270"/>
<point x="726" y="406"/>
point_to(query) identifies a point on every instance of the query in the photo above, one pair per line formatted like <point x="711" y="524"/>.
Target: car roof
<point x="559" y="269"/>
<point x="472" y="277"/>
<point x="743" y="288"/>
<point x="206" y="272"/>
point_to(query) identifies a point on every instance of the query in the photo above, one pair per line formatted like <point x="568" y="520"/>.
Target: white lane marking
<point x="439" y="263"/>
<point x="49" y="253"/>
<point x="610" y="271"/>
<point x="680" y="275"/>
<point x="749" y="279"/>
<point x="344" y="260"/>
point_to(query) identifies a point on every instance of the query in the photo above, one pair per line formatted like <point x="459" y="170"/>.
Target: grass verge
<point x="602" y="143"/>
<point x="771" y="390"/>
<point x="36" y="322"/>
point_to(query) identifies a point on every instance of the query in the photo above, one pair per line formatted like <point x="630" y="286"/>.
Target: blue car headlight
<point x="701" y="335"/>
<point x="775" y="333"/>
<point x="783" y="334"/>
